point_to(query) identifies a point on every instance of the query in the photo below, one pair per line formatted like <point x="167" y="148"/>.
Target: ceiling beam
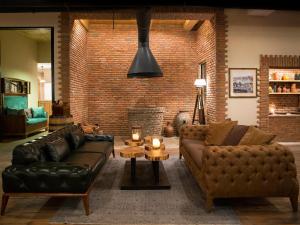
<point x="189" y="24"/>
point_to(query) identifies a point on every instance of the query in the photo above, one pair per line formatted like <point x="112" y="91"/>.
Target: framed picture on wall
<point x="242" y="82"/>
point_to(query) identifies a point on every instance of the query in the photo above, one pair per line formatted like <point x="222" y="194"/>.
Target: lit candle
<point x="135" y="137"/>
<point x="156" y="143"/>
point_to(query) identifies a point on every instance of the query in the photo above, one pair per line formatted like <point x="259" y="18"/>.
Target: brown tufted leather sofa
<point x="238" y="171"/>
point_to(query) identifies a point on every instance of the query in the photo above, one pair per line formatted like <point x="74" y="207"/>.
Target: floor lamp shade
<point x="200" y="83"/>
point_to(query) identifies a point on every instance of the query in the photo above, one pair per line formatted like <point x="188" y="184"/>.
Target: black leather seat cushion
<point x="92" y="160"/>
<point x="104" y="147"/>
<point x="48" y="177"/>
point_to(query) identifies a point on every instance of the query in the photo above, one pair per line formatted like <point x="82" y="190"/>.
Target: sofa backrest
<point x="35" y="151"/>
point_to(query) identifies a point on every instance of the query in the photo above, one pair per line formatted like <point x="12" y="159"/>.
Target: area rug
<point x="182" y="204"/>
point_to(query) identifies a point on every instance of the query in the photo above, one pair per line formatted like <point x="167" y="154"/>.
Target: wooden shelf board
<point x="284" y="81"/>
<point x="284" y="93"/>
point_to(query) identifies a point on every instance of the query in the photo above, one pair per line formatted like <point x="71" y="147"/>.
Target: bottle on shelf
<point x="279" y="89"/>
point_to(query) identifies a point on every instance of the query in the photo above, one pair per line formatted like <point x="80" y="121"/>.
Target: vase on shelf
<point x="183" y="117"/>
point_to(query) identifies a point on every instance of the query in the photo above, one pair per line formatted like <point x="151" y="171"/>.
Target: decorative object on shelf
<point x="285" y="77"/>
<point x="270" y="89"/>
<point x="284" y="89"/>
<point x="275" y="76"/>
<point x="183" y="117"/>
<point x="294" y="88"/>
<point x="169" y="130"/>
<point x="242" y="82"/>
<point x="279" y="89"/>
<point x="199" y="104"/>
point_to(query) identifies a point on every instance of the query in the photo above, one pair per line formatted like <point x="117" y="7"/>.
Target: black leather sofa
<point x="34" y="171"/>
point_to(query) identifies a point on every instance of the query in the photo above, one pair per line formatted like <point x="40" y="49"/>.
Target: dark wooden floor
<point x="38" y="211"/>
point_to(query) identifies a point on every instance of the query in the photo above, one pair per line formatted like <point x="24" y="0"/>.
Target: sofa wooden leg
<point x="5" y="198"/>
<point x="294" y="202"/>
<point x="209" y="204"/>
<point x="86" y="204"/>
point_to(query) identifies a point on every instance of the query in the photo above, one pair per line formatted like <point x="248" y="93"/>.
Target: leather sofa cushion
<point x="195" y="149"/>
<point x="93" y="160"/>
<point x="255" y="136"/>
<point x="58" y="149"/>
<point x="235" y="135"/>
<point x="77" y="138"/>
<point x="48" y="177"/>
<point x="217" y="132"/>
<point x="104" y="147"/>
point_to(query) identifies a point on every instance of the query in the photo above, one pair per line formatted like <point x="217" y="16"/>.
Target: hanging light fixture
<point x="42" y="75"/>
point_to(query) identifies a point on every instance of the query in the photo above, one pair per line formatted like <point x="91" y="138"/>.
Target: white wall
<point x="37" y="20"/>
<point x="19" y="60"/>
<point x="251" y="36"/>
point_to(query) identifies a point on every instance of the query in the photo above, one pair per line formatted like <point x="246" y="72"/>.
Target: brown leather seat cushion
<point x="195" y="149"/>
<point x="96" y="147"/>
<point x="93" y="160"/>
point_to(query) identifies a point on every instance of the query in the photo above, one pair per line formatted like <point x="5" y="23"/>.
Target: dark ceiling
<point x="80" y="5"/>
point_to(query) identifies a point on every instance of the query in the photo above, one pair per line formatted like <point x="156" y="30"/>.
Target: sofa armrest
<point x="249" y="171"/>
<point x="13" y="124"/>
<point x="102" y="137"/>
<point x="198" y="132"/>
<point x="49" y="177"/>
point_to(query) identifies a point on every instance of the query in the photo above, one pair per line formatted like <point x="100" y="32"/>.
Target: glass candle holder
<point x="136" y="133"/>
<point x="155" y="143"/>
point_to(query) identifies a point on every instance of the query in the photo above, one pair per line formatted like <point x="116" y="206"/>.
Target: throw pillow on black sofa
<point x="77" y="138"/>
<point x="58" y="149"/>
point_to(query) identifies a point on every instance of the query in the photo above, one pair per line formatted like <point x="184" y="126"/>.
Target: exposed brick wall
<point x="284" y="127"/>
<point x="79" y="73"/>
<point x="206" y="52"/>
<point x="65" y="32"/>
<point x="110" y="53"/>
<point x="211" y="48"/>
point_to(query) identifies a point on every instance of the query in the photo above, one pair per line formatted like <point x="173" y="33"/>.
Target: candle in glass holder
<point x="135" y="137"/>
<point x="155" y="143"/>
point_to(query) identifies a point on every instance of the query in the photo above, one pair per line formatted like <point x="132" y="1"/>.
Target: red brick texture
<point x="111" y="93"/>
<point x="95" y="65"/>
<point x="79" y="74"/>
<point x="284" y="127"/>
<point x="211" y="48"/>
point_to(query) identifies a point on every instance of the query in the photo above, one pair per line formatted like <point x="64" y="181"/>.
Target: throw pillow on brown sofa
<point x="58" y="149"/>
<point x="235" y="135"/>
<point x="217" y="132"/>
<point x="255" y="136"/>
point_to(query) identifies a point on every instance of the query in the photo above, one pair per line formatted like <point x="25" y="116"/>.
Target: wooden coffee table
<point x="156" y="156"/>
<point x="140" y="175"/>
<point x="132" y="153"/>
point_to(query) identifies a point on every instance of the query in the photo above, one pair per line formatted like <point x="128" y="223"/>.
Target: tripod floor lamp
<point x="199" y="104"/>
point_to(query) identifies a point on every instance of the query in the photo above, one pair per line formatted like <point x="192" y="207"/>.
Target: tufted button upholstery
<point x="242" y="171"/>
<point x="47" y="177"/>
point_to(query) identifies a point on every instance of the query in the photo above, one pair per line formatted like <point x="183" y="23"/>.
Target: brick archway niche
<point x="286" y="128"/>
